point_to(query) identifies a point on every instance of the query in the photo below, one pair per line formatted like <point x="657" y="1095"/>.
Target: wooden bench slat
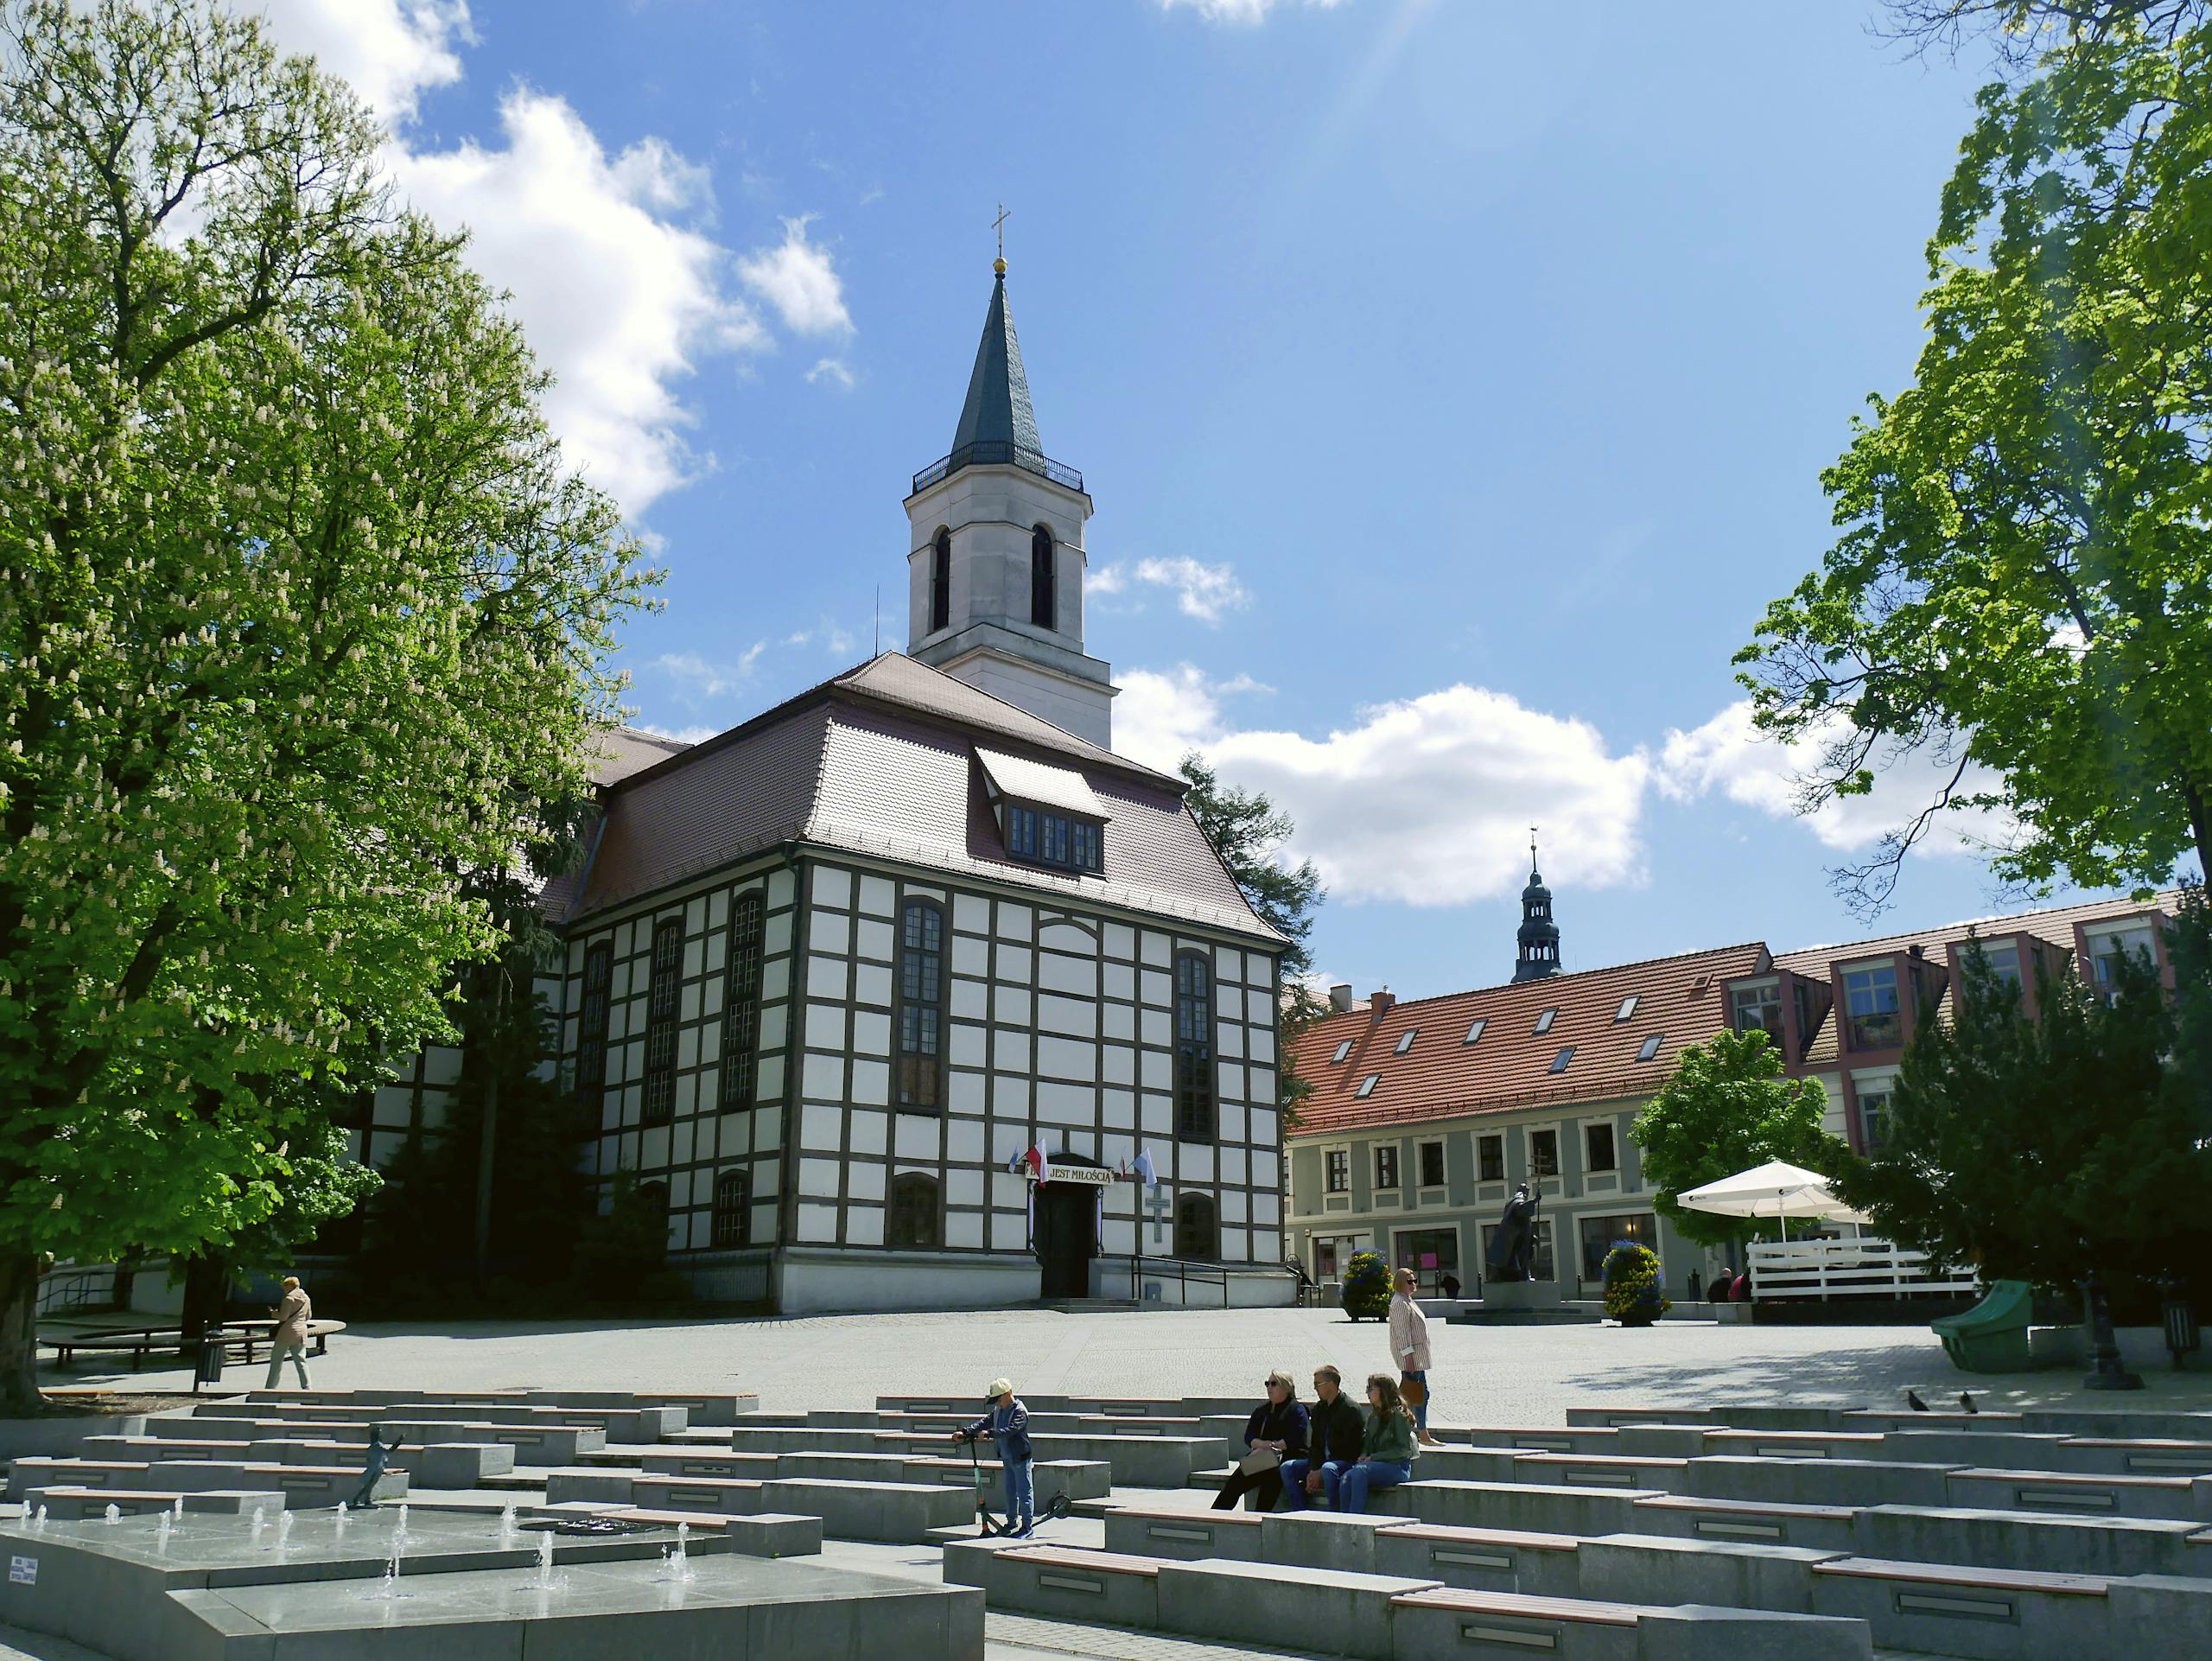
<point x="1462" y="1602"/>
<point x="1996" y="1580"/>
<point x="1104" y="1562"/>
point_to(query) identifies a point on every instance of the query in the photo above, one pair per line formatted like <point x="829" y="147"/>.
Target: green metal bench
<point x="1993" y="1336"/>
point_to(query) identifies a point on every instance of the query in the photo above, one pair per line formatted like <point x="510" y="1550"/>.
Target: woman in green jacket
<point x="1386" y="1448"/>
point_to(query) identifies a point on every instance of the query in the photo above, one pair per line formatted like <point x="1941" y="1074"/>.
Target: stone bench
<point x="2052" y="1544"/>
<point x="2180" y="1497"/>
<point x="2149" y="1456"/>
<point x="65" y="1504"/>
<point x="1451" y="1622"/>
<point x="258" y="1429"/>
<point x="1651" y="1475"/>
<point x="1660" y="1568"/>
<point x="702" y="1461"/>
<point x="1480" y="1559"/>
<point x="433" y="1465"/>
<point x="1803" y="1444"/>
<point x="899" y="1513"/>
<point x="44" y="1470"/>
<point x="1108" y="1588"/>
<point x="534" y="1444"/>
<point x="1079" y="1479"/>
<point x="1586" y="1439"/>
<point x="1150" y="1531"/>
<point x="1532" y="1507"/>
<point x="1817" y="1481"/>
<point x="566" y="1484"/>
<point x="1996" y="1614"/>
<point x="304" y="1485"/>
<point x="1322" y="1539"/>
<point x="1749" y="1521"/>
<point x="761" y="1534"/>
<point x="724" y="1496"/>
<point x="143" y="1448"/>
<point x="1272" y="1607"/>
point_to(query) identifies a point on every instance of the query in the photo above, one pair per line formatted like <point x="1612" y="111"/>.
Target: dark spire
<point x="1538" y="937"/>
<point x="997" y="411"/>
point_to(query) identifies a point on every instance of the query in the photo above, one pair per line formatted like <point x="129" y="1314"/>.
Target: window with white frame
<point x="1432" y="1164"/>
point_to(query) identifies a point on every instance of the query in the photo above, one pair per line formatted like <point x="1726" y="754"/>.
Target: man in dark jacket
<point x="1276" y="1427"/>
<point x="1333" y="1429"/>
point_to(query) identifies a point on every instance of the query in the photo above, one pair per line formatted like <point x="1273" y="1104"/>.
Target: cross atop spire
<point x="996" y="412"/>
<point x="998" y="225"/>
<point x="1532" y="853"/>
<point x="1537" y="938"/>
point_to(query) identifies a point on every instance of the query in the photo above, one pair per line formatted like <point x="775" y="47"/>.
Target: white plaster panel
<point x="1060" y="934"/>
<point x="780" y="884"/>
<point x="775" y="979"/>
<point x="1193" y="1162"/>
<point x="872" y="939"/>
<point x="1118" y="980"/>
<point x="1158" y="1069"/>
<point x="772" y="1079"/>
<point x="1259" y="969"/>
<point x="864" y="1224"/>
<point x="1076" y="976"/>
<point x="817" y="1222"/>
<point x="818" y="1177"/>
<point x="970" y="999"/>
<point x="652" y="1151"/>
<point x="1016" y="965"/>
<point x="1009" y="1096"/>
<point x="825" y="1025"/>
<point x="767" y="1127"/>
<point x="1157" y="1115"/>
<point x="1016" y="922"/>
<point x="1118" y="1239"/>
<point x="1156" y="988"/>
<point x="1229" y="1081"/>
<point x="1121" y="941"/>
<point x="1263" y="1127"/>
<point x="868" y="1131"/>
<point x="1118" y="1021"/>
<point x="1235" y="1164"/>
<point x="1155" y="948"/>
<point x="863" y="1180"/>
<point x="1260" y="1008"/>
<point x="825" y="977"/>
<point x="1229" y="1038"/>
<point x="833" y="887"/>
<point x="872" y="984"/>
<point x="1263" y="1044"/>
<point x="763" y="1222"/>
<point x="1120" y="1108"/>
<point x="1010" y="1051"/>
<point x="821" y="1126"/>
<point x="1232" y="1206"/>
<point x="1228" y="963"/>
<point x="1259" y="1086"/>
<point x="971" y="914"/>
<point x="1008" y="1189"/>
<point x="917" y="1137"/>
<point x="871" y="1083"/>
<point x="964" y="1228"/>
<point x="964" y="1091"/>
<point x="1228" y="1001"/>
<point x="776" y="934"/>
<point x="823" y="1075"/>
<point x="871" y="1032"/>
<point x="1071" y="1017"/>
<point x="1012" y="1005"/>
<point x="966" y="1047"/>
<point x="1067" y="1103"/>
<point x="878" y="896"/>
<point x="971" y="956"/>
<point x="1067" y="1058"/>
<point x="1267" y="1207"/>
<point x="963" y="1187"/>
<point x="1009" y="1231"/>
<point x="963" y="1141"/>
<point x="1120" y="1064"/>
<point x="1234" y="1246"/>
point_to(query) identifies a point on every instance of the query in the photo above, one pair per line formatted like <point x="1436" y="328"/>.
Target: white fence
<point x="1835" y="1269"/>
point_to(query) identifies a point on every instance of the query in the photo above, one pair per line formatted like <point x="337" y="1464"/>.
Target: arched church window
<point x="921" y="1007"/>
<point x="741" y="1004"/>
<point x="916" y="1216"/>
<point x="941" y="581"/>
<point x="1194" y="1099"/>
<point x="733" y="1209"/>
<point x="1196" y="1237"/>
<point x="1042" y="600"/>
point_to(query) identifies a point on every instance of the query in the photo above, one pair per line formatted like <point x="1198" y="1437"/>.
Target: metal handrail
<point x="74" y="1286"/>
<point x="995" y="452"/>
<point x="1184" y="1273"/>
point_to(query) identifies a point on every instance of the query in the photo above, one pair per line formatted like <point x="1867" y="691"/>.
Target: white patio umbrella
<point x="1774" y="1189"/>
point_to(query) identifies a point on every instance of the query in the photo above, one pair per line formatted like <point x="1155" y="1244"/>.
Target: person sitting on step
<point x="1386" y="1445"/>
<point x="1333" y="1430"/>
<point x="1276" y="1427"/>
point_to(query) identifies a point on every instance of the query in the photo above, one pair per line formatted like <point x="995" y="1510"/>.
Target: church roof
<point x="881" y="760"/>
<point x="1510" y="1064"/>
<point x="997" y="410"/>
<point x="625" y="750"/>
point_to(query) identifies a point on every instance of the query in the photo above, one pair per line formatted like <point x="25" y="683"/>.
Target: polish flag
<point x="1039" y="1166"/>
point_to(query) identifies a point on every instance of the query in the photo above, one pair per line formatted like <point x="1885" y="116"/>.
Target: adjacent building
<point x="1426" y="1112"/>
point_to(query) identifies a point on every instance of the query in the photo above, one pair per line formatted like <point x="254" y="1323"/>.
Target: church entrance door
<point x="1067" y="1237"/>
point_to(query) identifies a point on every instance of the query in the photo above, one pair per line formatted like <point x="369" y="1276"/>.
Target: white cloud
<point x="681" y="735"/>
<point x="796" y="278"/>
<point x="1202" y="591"/>
<point x="1727" y="755"/>
<point x="1425" y="801"/>
<point x="706" y="679"/>
<point x="830" y="370"/>
<point x="1239" y="11"/>
<point x="392" y="51"/>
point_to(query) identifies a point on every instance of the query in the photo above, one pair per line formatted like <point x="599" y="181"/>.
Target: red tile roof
<point x="1443" y="1076"/>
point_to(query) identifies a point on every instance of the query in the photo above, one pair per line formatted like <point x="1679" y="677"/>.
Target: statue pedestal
<point x="1500" y="1297"/>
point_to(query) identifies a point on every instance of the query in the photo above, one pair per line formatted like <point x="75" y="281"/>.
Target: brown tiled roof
<point x="881" y="760"/>
<point x="2055" y="924"/>
<point x="1442" y="1076"/>
<point x="625" y="750"/>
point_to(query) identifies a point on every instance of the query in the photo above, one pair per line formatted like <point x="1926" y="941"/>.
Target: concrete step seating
<point x="67" y="1504"/>
<point x="709" y="1408"/>
<point x="300" y="1485"/>
<point x="1134" y="1460"/>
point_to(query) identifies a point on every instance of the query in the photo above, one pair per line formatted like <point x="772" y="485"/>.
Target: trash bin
<point x="209" y="1370"/>
<point x="2183" y="1336"/>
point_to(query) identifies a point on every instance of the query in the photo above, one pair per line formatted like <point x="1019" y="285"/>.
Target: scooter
<point x="987" y="1525"/>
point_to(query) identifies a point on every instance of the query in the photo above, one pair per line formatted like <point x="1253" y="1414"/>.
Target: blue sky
<point x="1452" y="382"/>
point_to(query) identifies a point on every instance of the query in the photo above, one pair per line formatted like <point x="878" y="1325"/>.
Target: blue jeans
<point x="1374" y="1474"/>
<point x="1021" y="1497"/>
<point x="1420" y="1413"/>
<point x="1293" y="1480"/>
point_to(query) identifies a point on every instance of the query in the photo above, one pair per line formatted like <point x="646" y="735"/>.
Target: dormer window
<point x="1047" y="815"/>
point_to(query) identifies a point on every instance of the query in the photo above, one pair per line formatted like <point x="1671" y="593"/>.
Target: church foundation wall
<point x="826" y="1281"/>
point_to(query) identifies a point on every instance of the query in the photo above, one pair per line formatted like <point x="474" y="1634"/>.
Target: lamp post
<point x="2106" y="1371"/>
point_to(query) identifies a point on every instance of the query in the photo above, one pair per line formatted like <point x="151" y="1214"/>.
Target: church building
<point x="886" y="991"/>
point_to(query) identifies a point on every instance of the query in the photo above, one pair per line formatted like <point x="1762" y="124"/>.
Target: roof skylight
<point x="1627" y="1009"/>
<point x="1367" y="1084"/>
<point x="1544" y="1020"/>
<point x="1406" y="1040"/>
<point x="1342" y="1050"/>
<point x="1559" y="1061"/>
<point x="1475" y="1031"/>
<point x="1650" y="1046"/>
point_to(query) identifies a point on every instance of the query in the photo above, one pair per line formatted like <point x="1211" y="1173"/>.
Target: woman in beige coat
<point x="290" y="1337"/>
<point x="1409" y="1347"/>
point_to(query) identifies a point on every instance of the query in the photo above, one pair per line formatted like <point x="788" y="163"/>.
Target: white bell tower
<point x="996" y="566"/>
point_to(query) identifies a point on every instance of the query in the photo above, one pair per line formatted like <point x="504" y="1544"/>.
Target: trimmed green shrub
<point x="1367" y="1286"/>
<point x="1633" y="1296"/>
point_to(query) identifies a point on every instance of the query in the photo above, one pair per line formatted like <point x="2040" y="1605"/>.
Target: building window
<point x="1194" y="1104"/>
<point x="1601" y="1234"/>
<point x="1367" y="1085"/>
<point x="1870" y="1000"/>
<point x="733" y="1209"/>
<point x="591" y="1031"/>
<point x="1559" y="1061"/>
<point x="2003" y="959"/>
<point x="1874" y="1119"/>
<point x="1627" y="1009"/>
<point x="1432" y="1164"/>
<point x="1543" y="1153"/>
<point x="741" y="1004"/>
<point x="916" y="1219"/>
<point x="1042" y="611"/>
<point x="1651" y="1047"/>
<point x="1431" y="1253"/>
<point x="2108" y="949"/>
<point x="1757" y="1009"/>
<point x="1489" y="1159"/>
<point x="1406" y="1042"/>
<point x="941" y="581"/>
<point x="921" y="1007"/>
<point x="1337" y="1164"/>
<point x="1055" y="839"/>
<point x="1475" y="1031"/>
<point x="1598" y="1147"/>
<point x="1195" y="1234"/>
<point x="1386" y="1166"/>
<point x="1342" y="1050"/>
<point x="1544" y="1020"/>
<point x="663" y="995"/>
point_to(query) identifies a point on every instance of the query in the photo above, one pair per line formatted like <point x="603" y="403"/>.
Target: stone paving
<point x="1527" y="1375"/>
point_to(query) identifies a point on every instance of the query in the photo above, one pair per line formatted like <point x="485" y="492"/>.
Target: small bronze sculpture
<point x="379" y="1457"/>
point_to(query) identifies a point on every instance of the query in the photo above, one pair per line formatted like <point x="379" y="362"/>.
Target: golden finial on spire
<point x="998" y="225"/>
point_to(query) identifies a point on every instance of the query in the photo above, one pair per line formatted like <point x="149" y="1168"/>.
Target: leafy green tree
<point x="300" y="619"/>
<point x="2035" y="1149"/>
<point x="1727" y="1108"/>
<point x="1250" y="834"/>
<point x="2022" y="593"/>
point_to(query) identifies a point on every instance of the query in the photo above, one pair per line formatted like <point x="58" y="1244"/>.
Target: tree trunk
<point x="206" y="1290"/>
<point x="19" y="1274"/>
